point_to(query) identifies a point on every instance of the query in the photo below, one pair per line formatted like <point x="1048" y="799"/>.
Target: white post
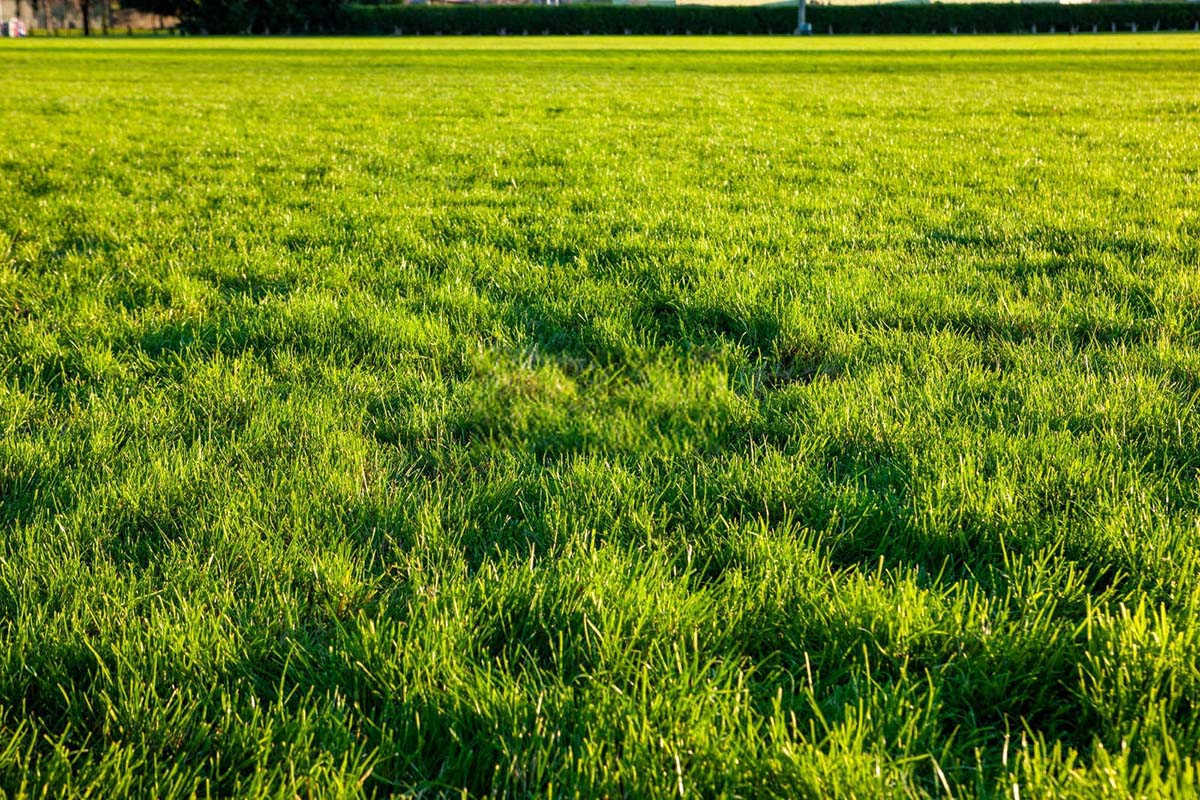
<point x="802" y="26"/>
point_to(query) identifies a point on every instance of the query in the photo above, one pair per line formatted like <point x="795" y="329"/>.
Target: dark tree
<point x="246" y="16"/>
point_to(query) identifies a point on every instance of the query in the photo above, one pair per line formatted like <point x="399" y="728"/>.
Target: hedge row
<point x="597" y="19"/>
<point x="252" y="16"/>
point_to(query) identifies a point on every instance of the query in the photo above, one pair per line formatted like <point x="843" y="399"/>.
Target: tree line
<point x="214" y="16"/>
<point x="338" y="16"/>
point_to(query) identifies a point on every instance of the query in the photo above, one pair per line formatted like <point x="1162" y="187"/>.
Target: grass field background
<point x="600" y="417"/>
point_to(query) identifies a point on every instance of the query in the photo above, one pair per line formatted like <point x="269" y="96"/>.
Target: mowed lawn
<point x="697" y="417"/>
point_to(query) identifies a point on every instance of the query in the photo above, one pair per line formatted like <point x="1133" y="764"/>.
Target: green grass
<point x="606" y="417"/>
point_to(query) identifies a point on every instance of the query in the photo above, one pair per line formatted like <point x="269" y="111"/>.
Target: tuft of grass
<point x="541" y="417"/>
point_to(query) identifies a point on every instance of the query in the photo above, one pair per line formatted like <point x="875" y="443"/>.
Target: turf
<point x="702" y="417"/>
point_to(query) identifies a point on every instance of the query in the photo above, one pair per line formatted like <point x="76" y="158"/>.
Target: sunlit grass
<point x="601" y="417"/>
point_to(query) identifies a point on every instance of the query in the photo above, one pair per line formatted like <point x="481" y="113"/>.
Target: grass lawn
<point x="701" y="417"/>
